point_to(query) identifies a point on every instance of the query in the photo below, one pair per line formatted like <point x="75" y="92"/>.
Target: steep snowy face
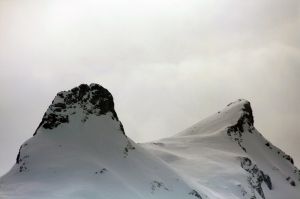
<point x="80" y="151"/>
<point x="226" y="157"/>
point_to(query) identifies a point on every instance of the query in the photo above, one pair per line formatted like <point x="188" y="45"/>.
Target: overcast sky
<point x="168" y="63"/>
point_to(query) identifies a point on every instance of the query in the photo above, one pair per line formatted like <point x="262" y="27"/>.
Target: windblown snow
<point x="80" y="151"/>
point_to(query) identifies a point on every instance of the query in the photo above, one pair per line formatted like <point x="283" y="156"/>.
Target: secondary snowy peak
<point x="245" y="124"/>
<point x="82" y="101"/>
<point x="236" y="116"/>
<point x="226" y="157"/>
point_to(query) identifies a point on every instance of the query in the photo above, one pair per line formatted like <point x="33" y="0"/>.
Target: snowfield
<point x="80" y="151"/>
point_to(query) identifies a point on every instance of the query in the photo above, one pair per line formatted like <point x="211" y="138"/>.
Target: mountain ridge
<point x="80" y="150"/>
<point x="88" y="155"/>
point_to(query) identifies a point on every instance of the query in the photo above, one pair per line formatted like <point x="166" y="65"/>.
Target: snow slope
<point x="225" y="157"/>
<point x="80" y="151"/>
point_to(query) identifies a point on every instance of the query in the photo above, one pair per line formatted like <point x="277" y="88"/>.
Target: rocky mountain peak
<point x="244" y="124"/>
<point x="246" y="116"/>
<point x="86" y="99"/>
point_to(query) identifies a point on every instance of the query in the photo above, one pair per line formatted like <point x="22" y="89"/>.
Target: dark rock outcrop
<point x="256" y="177"/>
<point x="92" y="99"/>
<point x="288" y="158"/>
<point x="21" y="159"/>
<point x="245" y="118"/>
<point x="195" y="194"/>
<point x="236" y="131"/>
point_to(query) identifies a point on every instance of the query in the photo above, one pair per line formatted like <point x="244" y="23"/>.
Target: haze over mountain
<point x="80" y="150"/>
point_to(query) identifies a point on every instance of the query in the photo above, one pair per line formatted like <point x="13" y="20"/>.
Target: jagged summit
<point x="245" y="107"/>
<point x="84" y="100"/>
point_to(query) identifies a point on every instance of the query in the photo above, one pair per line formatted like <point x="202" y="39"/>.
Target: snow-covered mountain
<point x="225" y="157"/>
<point x="80" y="150"/>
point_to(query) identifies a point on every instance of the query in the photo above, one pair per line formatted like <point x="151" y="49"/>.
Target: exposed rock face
<point x="92" y="99"/>
<point x="288" y="158"/>
<point x="196" y="194"/>
<point x="22" y="159"/>
<point x="279" y="152"/>
<point x="256" y="177"/>
<point x="236" y="131"/>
